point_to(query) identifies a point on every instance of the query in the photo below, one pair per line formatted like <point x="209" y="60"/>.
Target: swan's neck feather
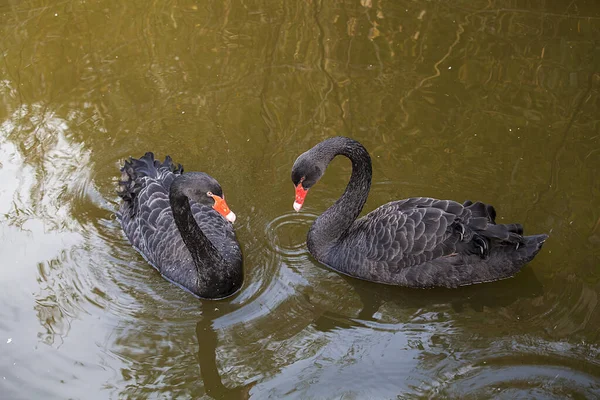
<point x="205" y="255"/>
<point x="331" y="226"/>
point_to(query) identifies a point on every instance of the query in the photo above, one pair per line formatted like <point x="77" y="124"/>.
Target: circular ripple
<point x="519" y="376"/>
<point x="286" y="234"/>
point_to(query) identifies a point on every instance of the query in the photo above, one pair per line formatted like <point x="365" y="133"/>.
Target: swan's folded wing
<point x="156" y="235"/>
<point x="408" y="232"/>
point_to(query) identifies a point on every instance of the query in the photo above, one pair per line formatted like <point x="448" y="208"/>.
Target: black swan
<point x="418" y="242"/>
<point x="181" y="225"/>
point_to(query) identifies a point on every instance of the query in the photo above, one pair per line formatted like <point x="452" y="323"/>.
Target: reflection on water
<point x="482" y="100"/>
<point x="38" y="204"/>
<point x="207" y="348"/>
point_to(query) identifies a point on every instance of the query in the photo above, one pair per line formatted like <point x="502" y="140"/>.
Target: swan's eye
<point x="209" y="194"/>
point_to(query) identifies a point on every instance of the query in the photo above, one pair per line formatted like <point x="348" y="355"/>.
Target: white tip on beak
<point x="230" y="217"/>
<point x="297" y="206"/>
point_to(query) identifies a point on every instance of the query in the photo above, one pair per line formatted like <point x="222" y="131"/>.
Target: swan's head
<point x="204" y="189"/>
<point x="307" y="171"/>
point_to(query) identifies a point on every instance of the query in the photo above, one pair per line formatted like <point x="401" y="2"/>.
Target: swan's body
<point x="172" y="222"/>
<point x="417" y="242"/>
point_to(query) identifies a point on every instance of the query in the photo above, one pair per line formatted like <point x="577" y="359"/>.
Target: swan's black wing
<point x="148" y="223"/>
<point x="147" y="219"/>
<point x="407" y="232"/>
<point x="415" y="234"/>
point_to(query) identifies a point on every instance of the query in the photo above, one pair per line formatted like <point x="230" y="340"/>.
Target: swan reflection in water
<point x="207" y="358"/>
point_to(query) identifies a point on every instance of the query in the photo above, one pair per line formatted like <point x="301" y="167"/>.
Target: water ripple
<point x="286" y="234"/>
<point x="517" y="376"/>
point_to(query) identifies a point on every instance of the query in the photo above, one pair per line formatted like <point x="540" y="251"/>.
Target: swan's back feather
<point x="424" y="242"/>
<point x="134" y="170"/>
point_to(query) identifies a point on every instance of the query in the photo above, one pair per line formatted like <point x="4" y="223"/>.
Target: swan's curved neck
<point x="338" y="218"/>
<point x="205" y="255"/>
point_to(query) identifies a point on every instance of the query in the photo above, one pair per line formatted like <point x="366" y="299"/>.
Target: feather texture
<point x="147" y="218"/>
<point x="416" y="242"/>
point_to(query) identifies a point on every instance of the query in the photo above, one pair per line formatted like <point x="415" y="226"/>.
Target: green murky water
<point x="485" y="100"/>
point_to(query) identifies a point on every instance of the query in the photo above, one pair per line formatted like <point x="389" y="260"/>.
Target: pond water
<point x="497" y="101"/>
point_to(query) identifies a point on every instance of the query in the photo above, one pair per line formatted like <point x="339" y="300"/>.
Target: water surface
<point x="482" y="100"/>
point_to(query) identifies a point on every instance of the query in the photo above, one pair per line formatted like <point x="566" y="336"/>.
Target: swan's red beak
<point x="300" y="195"/>
<point x="222" y="208"/>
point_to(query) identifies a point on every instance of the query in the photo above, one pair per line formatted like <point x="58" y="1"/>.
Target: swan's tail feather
<point x="481" y="210"/>
<point x="484" y="235"/>
<point x="462" y="268"/>
<point x="506" y="239"/>
<point x="532" y="245"/>
<point x="134" y="170"/>
<point x="504" y="261"/>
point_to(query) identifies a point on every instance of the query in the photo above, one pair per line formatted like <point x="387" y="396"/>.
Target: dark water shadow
<point x="491" y="296"/>
<point x="207" y="359"/>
